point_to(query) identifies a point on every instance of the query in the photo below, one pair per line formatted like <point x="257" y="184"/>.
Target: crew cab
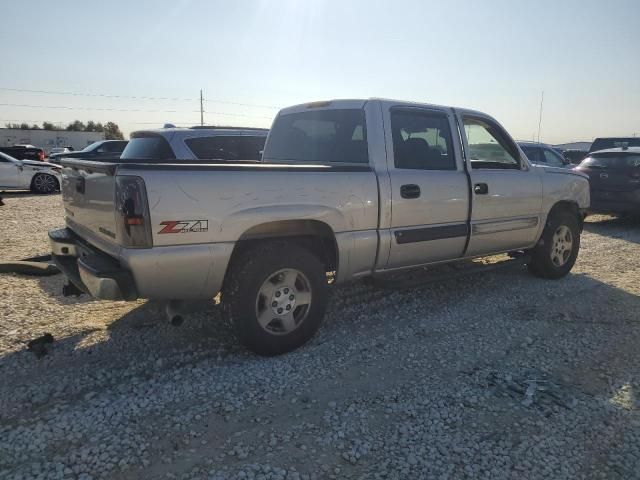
<point x="359" y="188"/>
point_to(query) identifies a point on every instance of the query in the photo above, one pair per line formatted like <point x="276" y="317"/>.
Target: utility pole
<point x="201" y="109"/>
<point x="540" y="119"/>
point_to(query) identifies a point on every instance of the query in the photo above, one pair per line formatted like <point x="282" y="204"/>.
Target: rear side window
<point x="319" y="136"/>
<point x="148" y="147"/>
<point x="227" y="147"/>
<point x="611" y="161"/>
<point x="422" y="141"/>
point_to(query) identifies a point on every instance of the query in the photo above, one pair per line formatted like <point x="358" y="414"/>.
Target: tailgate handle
<point x="80" y="184"/>
<point x="410" y="191"/>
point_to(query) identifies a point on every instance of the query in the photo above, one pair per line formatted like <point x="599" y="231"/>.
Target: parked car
<point x="355" y="187"/>
<point x="96" y="151"/>
<point x="39" y="177"/>
<point x="614" y="177"/>
<point x="24" y="152"/>
<point x="543" y="154"/>
<point x="603" y="143"/>
<point x="574" y="156"/>
<point x="197" y="143"/>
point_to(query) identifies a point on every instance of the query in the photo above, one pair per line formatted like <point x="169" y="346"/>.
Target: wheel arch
<point x="570" y="206"/>
<point x="313" y="235"/>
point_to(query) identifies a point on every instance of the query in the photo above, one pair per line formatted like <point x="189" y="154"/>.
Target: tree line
<point x="111" y="130"/>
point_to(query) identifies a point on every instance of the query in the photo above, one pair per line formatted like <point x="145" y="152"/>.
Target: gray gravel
<point x="495" y="376"/>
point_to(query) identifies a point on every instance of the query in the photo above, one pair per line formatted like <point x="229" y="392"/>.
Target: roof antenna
<point x="540" y="119"/>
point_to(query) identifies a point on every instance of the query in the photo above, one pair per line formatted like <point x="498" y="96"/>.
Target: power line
<point x="134" y="97"/>
<point x="63" y="107"/>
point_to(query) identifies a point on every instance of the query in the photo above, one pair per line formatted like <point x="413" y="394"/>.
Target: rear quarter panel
<point x="231" y="202"/>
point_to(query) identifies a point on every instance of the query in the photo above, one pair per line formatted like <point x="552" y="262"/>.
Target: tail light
<point x="133" y="223"/>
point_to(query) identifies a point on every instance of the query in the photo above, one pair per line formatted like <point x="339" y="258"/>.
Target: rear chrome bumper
<point x="89" y="269"/>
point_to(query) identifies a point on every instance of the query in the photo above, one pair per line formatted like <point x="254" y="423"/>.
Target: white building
<point x="47" y="139"/>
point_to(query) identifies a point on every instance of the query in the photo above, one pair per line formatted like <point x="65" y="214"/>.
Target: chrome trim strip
<point x="504" y="225"/>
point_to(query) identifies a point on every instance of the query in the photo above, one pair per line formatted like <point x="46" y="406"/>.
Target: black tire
<point x="542" y="263"/>
<point x="44" y="183"/>
<point x="242" y="297"/>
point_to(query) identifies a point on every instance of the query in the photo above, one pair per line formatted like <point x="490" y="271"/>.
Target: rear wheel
<point x="556" y="253"/>
<point x="275" y="297"/>
<point x="44" y="183"/>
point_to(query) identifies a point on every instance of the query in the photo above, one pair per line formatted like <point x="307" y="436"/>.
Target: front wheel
<point x="557" y="250"/>
<point x="275" y="297"/>
<point x="44" y="183"/>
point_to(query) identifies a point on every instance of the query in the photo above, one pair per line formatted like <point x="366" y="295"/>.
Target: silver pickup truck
<point x="357" y="188"/>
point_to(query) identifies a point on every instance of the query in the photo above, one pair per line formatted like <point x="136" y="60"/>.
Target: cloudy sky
<point x="143" y="63"/>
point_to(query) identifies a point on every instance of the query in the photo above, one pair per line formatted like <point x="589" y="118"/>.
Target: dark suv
<point x="614" y="178"/>
<point x="24" y="152"/>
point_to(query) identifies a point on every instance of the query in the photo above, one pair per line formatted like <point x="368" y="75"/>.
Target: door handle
<point x="410" y="191"/>
<point x="481" y="189"/>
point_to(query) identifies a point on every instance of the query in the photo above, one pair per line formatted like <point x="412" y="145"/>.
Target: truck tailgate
<point x="88" y="191"/>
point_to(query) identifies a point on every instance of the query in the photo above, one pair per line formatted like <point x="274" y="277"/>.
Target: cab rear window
<point x="319" y="136"/>
<point x="147" y="147"/>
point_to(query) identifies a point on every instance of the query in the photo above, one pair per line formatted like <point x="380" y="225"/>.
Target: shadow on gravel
<point x="626" y="228"/>
<point x="52" y="286"/>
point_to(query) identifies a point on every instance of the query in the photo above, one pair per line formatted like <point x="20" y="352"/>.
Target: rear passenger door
<point x="429" y="187"/>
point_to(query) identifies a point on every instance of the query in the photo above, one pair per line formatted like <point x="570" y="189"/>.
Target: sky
<point x="255" y="56"/>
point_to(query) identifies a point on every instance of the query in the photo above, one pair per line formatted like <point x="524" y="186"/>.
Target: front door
<point x="506" y="191"/>
<point x="429" y="187"/>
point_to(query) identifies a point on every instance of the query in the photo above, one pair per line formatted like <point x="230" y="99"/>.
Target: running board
<point x="427" y="275"/>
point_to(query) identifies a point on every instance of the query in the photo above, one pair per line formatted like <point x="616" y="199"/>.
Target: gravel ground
<point x="493" y="376"/>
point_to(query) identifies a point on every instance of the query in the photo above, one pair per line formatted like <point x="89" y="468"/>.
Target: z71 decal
<point x="185" y="226"/>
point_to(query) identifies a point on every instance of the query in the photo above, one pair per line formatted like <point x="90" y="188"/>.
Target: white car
<point x="39" y="177"/>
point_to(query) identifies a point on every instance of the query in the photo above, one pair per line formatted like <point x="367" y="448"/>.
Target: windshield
<point x="614" y="161"/>
<point x="91" y="147"/>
